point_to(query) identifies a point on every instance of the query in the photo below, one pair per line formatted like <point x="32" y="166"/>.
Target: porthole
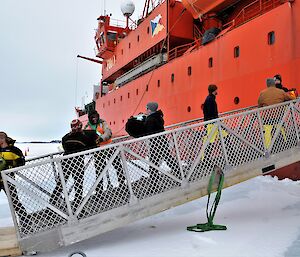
<point x="172" y="77"/>
<point x="158" y="83"/>
<point x="128" y="95"/>
<point x="271" y="38"/>
<point x="236" y="52"/>
<point x="189" y="109"/>
<point x="189" y="70"/>
<point x="210" y="62"/>
<point x="137" y="91"/>
<point x="236" y="100"/>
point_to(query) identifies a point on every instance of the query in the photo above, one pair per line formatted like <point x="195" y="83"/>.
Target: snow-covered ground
<point x="262" y="216"/>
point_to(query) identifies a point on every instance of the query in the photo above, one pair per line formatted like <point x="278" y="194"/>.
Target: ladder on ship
<point x="136" y="178"/>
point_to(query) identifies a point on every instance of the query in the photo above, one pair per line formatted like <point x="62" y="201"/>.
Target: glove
<point x="2" y="163"/>
<point x="99" y="140"/>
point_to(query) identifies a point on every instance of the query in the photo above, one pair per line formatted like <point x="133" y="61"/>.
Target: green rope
<point x="211" y="214"/>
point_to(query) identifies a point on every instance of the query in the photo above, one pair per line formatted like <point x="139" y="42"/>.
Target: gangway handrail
<point x="126" y="137"/>
<point x="132" y="179"/>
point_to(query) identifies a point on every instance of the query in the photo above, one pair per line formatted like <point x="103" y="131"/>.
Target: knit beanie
<point x="76" y="125"/>
<point x="152" y="106"/>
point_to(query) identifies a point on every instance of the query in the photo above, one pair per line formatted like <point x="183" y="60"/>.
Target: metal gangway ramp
<point x="59" y="200"/>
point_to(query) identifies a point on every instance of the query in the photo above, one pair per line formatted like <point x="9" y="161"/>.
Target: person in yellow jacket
<point x="11" y="157"/>
<point x="104" y="137"/>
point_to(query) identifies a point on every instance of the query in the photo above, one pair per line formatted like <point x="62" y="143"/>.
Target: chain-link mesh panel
<point x="210" y="154"/>
<point x="110" y="188"/>
<point x="30" y="195"/>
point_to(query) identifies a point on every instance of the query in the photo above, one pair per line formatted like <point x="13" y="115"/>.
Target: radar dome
<point x="127" y="7"/>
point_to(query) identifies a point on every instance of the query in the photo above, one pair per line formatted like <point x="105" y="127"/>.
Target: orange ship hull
<point x="242" y="77"/>
<point x="180" y="85"/>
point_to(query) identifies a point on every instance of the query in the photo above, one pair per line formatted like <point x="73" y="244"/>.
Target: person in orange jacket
<point x="104" y="137"/>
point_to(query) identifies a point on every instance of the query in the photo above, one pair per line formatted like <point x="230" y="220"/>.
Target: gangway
<point x="136" y="178"/>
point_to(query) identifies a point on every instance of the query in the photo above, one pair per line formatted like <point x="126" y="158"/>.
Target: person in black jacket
<point x="278" y="83"/>
<point x="11" y="157"/>
<point x="210" y="108"/>
<point x="159" y="146"/>
<point x="75" y="141"/>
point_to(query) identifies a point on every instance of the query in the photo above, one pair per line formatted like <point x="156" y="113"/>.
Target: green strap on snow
<point x="211" y="214"/>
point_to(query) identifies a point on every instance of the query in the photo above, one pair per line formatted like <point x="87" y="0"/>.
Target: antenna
<point x="104" y="7"/>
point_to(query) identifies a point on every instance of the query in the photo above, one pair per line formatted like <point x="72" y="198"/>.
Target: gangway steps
<point x="9" y="245"/>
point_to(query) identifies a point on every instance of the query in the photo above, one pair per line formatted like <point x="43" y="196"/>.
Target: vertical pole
<point x="222" y="142"/>
<point x="261" y="129"/>
<point x="65" y="192"/>
<point x="178" y="154"/>
<point x="295" y="123"/>
<point x="133" y="199"/>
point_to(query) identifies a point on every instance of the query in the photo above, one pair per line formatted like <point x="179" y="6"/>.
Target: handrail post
<point x="133" y="198"/>
<point x="65" y="192"/>
<point x="223" y="143"/>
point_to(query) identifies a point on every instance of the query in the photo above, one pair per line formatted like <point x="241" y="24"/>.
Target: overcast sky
<point x="40" y="40"/>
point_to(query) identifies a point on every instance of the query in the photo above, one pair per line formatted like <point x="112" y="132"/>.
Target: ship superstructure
<point x="178" y="48"/>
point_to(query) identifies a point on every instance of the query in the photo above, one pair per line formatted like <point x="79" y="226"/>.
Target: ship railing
<point x="252" y="10"/>
<point x="116" y="182"/>
<point x="180" y="50"/>
<point x="35" y="159"/>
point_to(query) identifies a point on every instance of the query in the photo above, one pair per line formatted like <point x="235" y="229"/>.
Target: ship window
<point x="111" y="36"/>
<point x="271" y="38"/>
<point x="129" y="45"/>
<point x="210" y="62"/>
<point x="122" y="51"/>
<point x="147" y="87"/>
<point x="121" y="98"/>
<point x="148" y="30"/>
<point x="236" y="100"/>
<point x="189" y="70"/>
<point x="128" y="95"/>
<point x="137" y="91"/>
<point x="123" y="121"/>
<point x="114" y="122"/>
<point x="110" y="123"/>
<point x="138" y="38"/>
<point x="189" y="109"/>
<point x="158" y="83"/>
<point x="114" y="100"/>
<point x="172" y="77"/>
<point x="236" y="52"/>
